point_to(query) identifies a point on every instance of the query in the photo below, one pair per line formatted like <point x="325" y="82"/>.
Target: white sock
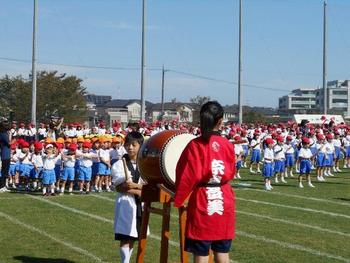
<point x="35" y="184"/>
<point x="52" y="190"/>
<point x="130" y="252"/>
<point x="62" y="190"/>
<point x="44" y="190"/>
<point x="70" y="190"/>
<point x="124" y="254"/>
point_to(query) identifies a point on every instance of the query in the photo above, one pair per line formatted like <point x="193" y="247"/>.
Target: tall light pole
<point x="35" y="26"/>
<point x="162" y="99"/>
<point x="143" y="62"/>
<point x="325" y="97"/>
<point x="240" y="93"/>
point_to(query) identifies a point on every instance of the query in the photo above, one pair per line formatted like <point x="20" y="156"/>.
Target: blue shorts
<point x="85" y="174"/>
<point x="321" y="160"/>
<point x="313" y="150"/>
<point x="35" y="174"/>
<point x="329" y="159"/>
<point x="246" y="150"/>
<point x="202" y="247"/>
<point x="347" y="151"/>
<point x="268" y="170"/>
<point x="24" y="169"/>
<point x="296" y="153"/>
<point x="49" y="177"/>
<point x="289" y="160"/>
<point x="13" y="169"/>
<point x="58" y="170"/>
<point x="305" y="166"/>
<point x="239" y="164"/>
<point x="256" y="156"/>
<point x="94" y="169"/>
<point x="279" y="166"/>
<point x="337" y="152"/>
<point x="103" y="169"/>
<point x="68" y="173"/>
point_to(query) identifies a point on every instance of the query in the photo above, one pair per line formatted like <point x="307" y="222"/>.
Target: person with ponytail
<point x="203" y="174"/>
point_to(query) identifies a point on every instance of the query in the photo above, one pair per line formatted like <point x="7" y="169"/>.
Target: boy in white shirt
<point x="305" y="156"/>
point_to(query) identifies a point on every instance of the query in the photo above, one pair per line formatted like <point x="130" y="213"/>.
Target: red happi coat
<point x="211" y="210"/>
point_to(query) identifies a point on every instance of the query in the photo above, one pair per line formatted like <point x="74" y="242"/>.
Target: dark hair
<point x="134" y="136"/>
<point x="211" y="112"/>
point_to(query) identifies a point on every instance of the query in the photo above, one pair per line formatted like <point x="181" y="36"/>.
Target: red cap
<point x="305" y="140"/>
<point x="269" y="141"/>
<point x="237" y="138"/>
<point x="25" y="144"/>
<point x="289" y="138"/>
<point x="329" y="136"/>
<point x="38" y="146"/>
<point x="320" y="136"/>
<point x="72" y="147"/>
<point x="280" y="139"/>
<point x="13" y="146"/>
<point x="87" y="145"/>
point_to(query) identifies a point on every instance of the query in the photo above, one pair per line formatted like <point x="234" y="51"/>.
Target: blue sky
<point x="282" y="45"/>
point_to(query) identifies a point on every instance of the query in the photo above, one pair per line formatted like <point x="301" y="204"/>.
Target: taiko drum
<point x="159" y="155"/>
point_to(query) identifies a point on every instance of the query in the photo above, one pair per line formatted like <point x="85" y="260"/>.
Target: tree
<point x="56" y="94"/>
<point x="200" y="100"/>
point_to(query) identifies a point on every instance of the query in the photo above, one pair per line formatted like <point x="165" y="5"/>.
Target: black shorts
<point x="122" y="237"/>
<point x="202" y="247"/>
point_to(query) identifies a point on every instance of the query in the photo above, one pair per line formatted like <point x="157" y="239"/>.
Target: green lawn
<point x="287" y="224"/>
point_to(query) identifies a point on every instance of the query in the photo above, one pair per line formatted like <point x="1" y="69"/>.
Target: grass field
<point x="287" y="224"/>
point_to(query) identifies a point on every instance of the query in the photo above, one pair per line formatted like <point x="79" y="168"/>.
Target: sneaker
<point x="311" y="185"/>
<point x="301" y="185"/>
<point x="286" y="175"/>
<point x="338" y="170"/>
<point x="335" y="170"/>
<point x="312" y="167"/>
<point x="267" y="187"/>
<point x="270" y="186"/>
<point x="109" y="190"/>
<point x="283" y="181"/>
<point x="297" y="171"/>
<point x="238" y="176"/>
<point x="258" y="171"/>
<point x="323" y="179"/>
<point x="325" y="173"/>
<point x="330" y="174"/>
<point x="276" y="180"/>
<point x="252" y="171"/>
<point x="319" y="179"/>
<point x="4" y="190"/>
<point x="291" y="174"/>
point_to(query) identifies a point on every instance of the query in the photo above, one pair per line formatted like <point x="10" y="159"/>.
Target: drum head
<point x="171" y="154"/>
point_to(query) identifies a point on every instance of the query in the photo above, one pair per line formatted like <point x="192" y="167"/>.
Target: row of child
<point x="53" y="164"/>
<point x="283" y="154"/>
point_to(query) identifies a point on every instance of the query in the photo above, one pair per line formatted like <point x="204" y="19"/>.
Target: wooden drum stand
<point x="161" y="195"/>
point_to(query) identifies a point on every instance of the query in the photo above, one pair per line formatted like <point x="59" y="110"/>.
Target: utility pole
<point x="162" y="101"/>
<point x="35" y="26"/>
<point x="143" y="63"/>
<point x="325" y="97"/>
<point x="240" y="93"/>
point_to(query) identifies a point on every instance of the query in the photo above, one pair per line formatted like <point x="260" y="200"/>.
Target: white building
<point x="299" y="101"/>
<point x="338" y="96"/>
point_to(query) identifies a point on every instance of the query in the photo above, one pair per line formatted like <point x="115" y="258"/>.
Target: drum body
<point x="159" y="155"/>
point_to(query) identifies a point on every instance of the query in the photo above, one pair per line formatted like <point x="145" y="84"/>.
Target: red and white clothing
<point x="205" y="169"/>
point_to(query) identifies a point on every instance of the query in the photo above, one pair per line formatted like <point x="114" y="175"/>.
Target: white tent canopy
<point x="318" y="118"/>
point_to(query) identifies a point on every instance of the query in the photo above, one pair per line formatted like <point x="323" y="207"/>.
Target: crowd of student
<point x="83" y="157"/>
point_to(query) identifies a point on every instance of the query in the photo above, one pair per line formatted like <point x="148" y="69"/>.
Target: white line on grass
<point x="300" y="196"/>
<point x="248" y="235"/>
<point x="103" y="219"/>
<point x="295" y="207"/>
<point x="292" y="246"/>
<point x="289" y="222"/>
<point x="45" y="234"/>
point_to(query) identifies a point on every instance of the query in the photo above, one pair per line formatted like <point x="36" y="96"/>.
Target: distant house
<point x="182" y="112"/>
<point x="124" y="111"/>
